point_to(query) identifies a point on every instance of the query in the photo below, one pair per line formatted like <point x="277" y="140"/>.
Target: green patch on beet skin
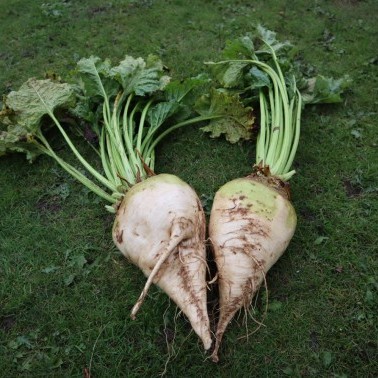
<point x="252" y="195"/>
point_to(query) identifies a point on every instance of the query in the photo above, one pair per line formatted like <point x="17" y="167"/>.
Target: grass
<point x="66" y="293"/>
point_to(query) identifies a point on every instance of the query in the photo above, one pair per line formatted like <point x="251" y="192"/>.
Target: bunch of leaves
<point x="241" y="74"/>
<point x="23" y="121"/>
<point x="173" y="104"/>
<point x="122" y="110"/>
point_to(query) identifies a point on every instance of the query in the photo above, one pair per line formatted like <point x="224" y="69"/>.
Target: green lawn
<point x="65" y="291"/>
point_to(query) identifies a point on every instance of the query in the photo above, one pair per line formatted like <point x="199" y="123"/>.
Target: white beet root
<point x="160" y="227"/>
<point x="251" y="225"/>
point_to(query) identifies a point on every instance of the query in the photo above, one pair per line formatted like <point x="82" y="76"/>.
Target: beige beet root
<point x="251" y="225"/>
<point x="160" y="227"/>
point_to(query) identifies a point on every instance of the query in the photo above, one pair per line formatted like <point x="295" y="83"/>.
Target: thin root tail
<point x="218" y="339"/>
<point x="223" y="322"/>
<point x="214" y="355"/>
<point x="173" y="243"/>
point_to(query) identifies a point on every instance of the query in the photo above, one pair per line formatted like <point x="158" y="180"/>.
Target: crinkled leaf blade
<point x="15" y="140"/>
<point x="235" y="120"/>
<point x="140" y="77"/>
<point x="269" y="37"/>
<point x="27" y="106"/>
<point x="21" y="118"/>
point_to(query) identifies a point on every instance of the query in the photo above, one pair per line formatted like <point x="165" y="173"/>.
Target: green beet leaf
<point x="24" y="110"/>
<point x="94" y="77"/>
<point x="185" y="90"/>
<point x="321" y="89"/>
<point x="139" y="76"/>
<point x="239" y="48"/>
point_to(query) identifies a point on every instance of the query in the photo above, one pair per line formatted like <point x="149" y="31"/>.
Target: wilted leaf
<point x="231" y="118"/>
<point x="321" y="89"/>
<point x="23" y="112"/>
<point x="17" y="139"/>
<point x="33" y="100"/>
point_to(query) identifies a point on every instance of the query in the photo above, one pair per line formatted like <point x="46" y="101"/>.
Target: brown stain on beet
<point x="188" y="288"/>
<point x="199" y="206"/>
<point x="253" y="225"/>
<point x="236" y="212"/>
<point x="119" y="236"/>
